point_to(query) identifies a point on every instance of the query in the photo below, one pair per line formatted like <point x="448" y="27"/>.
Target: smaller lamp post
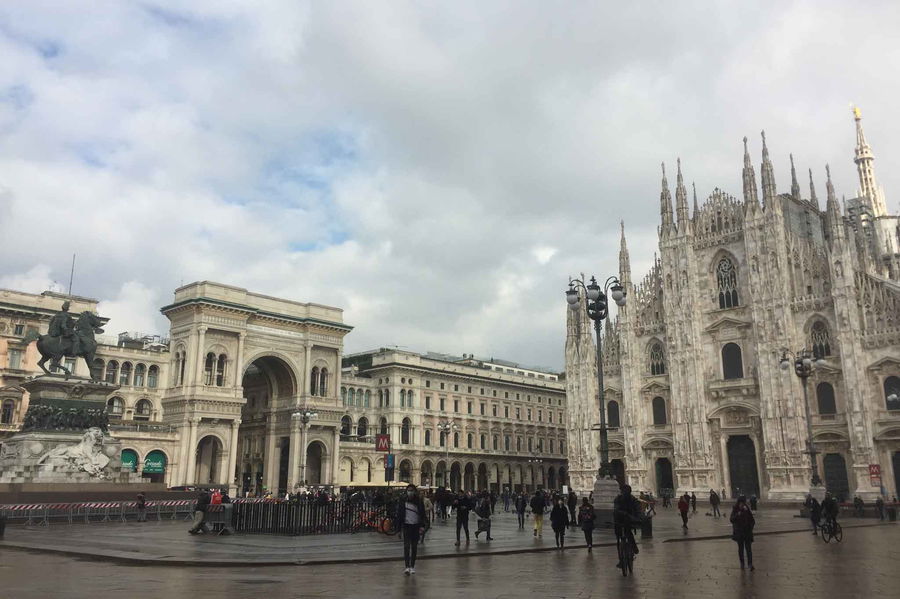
<point x="303" y="416"/>
<point x="805" y="361"/>
<point x="445" y="427"/>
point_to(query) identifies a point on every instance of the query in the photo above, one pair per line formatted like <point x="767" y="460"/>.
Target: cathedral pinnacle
<point x="696" y="208"/>
<point x="665" y="203"/>
<point x="795" y="187"/>
<point x="681" y="206"/>
<point x="767" y="175"/>
<point x="750" y="194"/>
<point x="624" y="260"/>
<point x="812" y="192"/>
<point x="866" y="170"/>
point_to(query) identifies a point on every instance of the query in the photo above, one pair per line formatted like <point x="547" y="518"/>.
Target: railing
<point x="42" y="514"/>
<point x="299" y="518"/>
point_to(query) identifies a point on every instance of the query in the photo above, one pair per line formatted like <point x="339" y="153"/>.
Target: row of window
<point x="143" y="409"/>
<point x="125" y="374"/>
<point x="470" y="390"/>
<point x="7" y="410"/>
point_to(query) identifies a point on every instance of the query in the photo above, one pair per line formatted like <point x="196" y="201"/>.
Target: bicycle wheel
<point x="838" y="533"/>
<point x="826" y="533"/>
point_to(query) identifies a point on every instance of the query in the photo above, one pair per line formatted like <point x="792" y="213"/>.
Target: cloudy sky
<point x="436" y="169"/>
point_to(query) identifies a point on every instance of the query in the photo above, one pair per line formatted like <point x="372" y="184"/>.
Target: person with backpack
<point x="538" y="505"/>
<point x="559" y="519"/>
<point x="462" y="504"/>
<point x="586" y="517"/>
<point x="684" y="504"/>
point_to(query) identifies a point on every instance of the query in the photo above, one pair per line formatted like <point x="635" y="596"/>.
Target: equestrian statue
<point x="68" y="337"/>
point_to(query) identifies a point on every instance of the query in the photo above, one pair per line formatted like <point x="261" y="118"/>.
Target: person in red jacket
<point x="684" y="504"/>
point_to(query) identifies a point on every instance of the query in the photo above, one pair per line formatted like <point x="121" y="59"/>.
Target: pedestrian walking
<point x="742" y="523"/>
<point x="714" y="503"/>
<point x="200" y="508"/>
<point x="411" y="513"/>
<point x="483" y="511"/>
<point x="520" y="507"/>
<point x="559" y="519"/>
<point x="723" y="493"/>
<point x="753" y="503"/>
<point x="493" y="497"/>
<point x="586" y="517"/>
<point x="462" y="504"/>
<point x="684" y="504"/>
<point x="573" y="508"/>
<point x="141" y="505"/>
<point x="879" y="507"/>
<point x="815" y="512"/>
<point x="538" y="505"/>
<point x="693" y="503"/>
<point x="429" y="516"/>
<point x="506" y="499"/>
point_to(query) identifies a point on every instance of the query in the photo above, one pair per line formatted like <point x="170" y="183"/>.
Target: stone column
<point x="233" y="458"/>
<point x="304" y="435"/>
<point x="201" y="344"/>
<point x="270" y="466"/>
<point x="336" y="456"/>
<point x="192" y="453"/>
<point x="239" y="361"/>
<point x="726" y="475"/>
<point x="294" y="454"/>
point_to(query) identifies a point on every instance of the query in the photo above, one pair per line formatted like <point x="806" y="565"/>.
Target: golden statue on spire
<point x="856" y="113"/>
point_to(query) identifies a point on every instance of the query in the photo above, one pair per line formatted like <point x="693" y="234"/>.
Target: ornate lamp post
<point x="445" y="427"/>
<point x="303" y="417"/>
<point x="597" y="310"/>
<point x="805" y="361"/>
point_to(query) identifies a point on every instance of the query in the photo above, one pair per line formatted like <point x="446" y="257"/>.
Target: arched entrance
<point x="742" y="466"/>
<point x="209" y="458"/>
<point x="427" y="476"/>
<point x="440" y="475"/>
<point x="315" y="453"/>
<point x="268" y="382"/>
<point x="618" y="470"/>
<point x="563" y="479"/>
<point x="155" y="466"/>
<point x="482" y="477"/>
<point x="836" y="482"/>
<point x="455" y="477"/>
<point x="405" y="475"/>
<point x="895" y="462"/>
<point x="469" y="478"/>
<point x="551" y="478"/>
<point x="664" y="479"/>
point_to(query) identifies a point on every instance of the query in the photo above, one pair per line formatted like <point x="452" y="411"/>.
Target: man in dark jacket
<point x="521" y="506"/>
<point x="714" y="503"/>
<point x="538" y="505"/>
<point x="693" y="503"/>
<point x="200" y="513"/>
<point x="573" y="508"/>
<point x="410" y="516"/>
<point x="483" y="511"/>
<point x="462" y="504"/>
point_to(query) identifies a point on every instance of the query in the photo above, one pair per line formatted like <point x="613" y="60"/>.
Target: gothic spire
<point x="832" y="208"/>
<point x="624" y="260"/>
<point x="865" y="168"/>
<point x="750" y="192"/>
<point x="696" y="209"/>
<point x="681" y="200"/>
<point x="665" y="203"/>
<point x="795" y="187"/>
<point x="767" y="175"/>
<point x="812" y="192"/>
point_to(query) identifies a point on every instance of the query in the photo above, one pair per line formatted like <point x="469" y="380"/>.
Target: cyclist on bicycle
<point x="626" y="516"/>
<point x="830" y="509"/>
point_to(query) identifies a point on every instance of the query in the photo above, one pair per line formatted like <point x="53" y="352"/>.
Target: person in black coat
<point x="573" y="508"/>
<point x="483" y="511"/>
<point x="410" y="517"/>
<point x="521" y="506"/>
<point x="742" y="523"/>
<point x="586" y="517"/>
<point x="462" y="505"/>
<point x="559" y="519"/>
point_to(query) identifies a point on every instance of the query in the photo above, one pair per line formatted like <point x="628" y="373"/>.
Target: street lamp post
<point x="303" y="417"/>
<point x="445" y="426"/>
<point x="805" y="361"/>
<point x="597" y="308"/>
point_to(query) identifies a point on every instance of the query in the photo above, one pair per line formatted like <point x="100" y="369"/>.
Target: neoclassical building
<point x="695" y="395"/>
<point x="221" y="400"/>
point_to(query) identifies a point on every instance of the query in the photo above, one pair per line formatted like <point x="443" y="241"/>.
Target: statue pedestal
<point x="64" y="438"/>
<point x="605" y="492"/>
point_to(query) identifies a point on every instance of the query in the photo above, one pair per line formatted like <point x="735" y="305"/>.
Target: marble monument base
<point x="605" y="492"/>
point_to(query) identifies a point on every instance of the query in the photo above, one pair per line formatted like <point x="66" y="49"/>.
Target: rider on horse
<point x="62" y="325"/>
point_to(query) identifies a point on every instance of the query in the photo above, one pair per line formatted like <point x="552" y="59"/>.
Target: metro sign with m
<point x="382" y="442"/>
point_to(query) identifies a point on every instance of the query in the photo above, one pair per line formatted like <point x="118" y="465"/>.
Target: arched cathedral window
<point x="657" y="360"/>
<point x="820" y="339"/>
<point x="726" y="278"/>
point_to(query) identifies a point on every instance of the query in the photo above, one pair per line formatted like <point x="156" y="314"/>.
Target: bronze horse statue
<point x="83" y="344"/>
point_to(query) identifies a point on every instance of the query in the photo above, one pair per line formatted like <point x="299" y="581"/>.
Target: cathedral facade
<point x="695" y="396"/>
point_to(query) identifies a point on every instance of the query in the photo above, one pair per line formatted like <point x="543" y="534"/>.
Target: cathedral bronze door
<point x="895" y="462"/>
<point x="836" y="476"/>
<point x="742" y="465"/>
<point x="618" y="470"/>
<point x="665" y="482"/>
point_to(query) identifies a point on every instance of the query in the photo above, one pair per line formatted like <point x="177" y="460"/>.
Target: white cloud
<point x="438" y="171"/>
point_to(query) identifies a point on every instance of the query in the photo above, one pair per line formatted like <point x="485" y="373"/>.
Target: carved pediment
<point x="654" y="387"/>
<point x="727" y="323"/>
<point x="892" y="433"/>
<point x="829" y="437"/>
<point x="658" y="443"/>
<point x="887" y="364"/>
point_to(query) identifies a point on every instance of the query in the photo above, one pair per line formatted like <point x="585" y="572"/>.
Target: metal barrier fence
<point x="42" y="514"/>
<point x="301" y="518"/>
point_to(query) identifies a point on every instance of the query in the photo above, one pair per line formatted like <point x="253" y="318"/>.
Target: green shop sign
<point x="129" y="459"/>
<point x="155" y="463"/>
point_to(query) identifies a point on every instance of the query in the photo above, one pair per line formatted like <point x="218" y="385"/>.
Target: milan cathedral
<point x="695" y="398"/>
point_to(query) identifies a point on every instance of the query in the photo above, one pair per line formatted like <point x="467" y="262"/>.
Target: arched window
<point x="351" y="397"/>
<point x="530" y="444"/>
<point x="314" y="381"/>
<point x="409" y="399"/>
<point x="496" y="443"/>
<point x="612" y="414"/>
<point x="518" y="443"/>
<point x="892" y="393"/>
<point x="470" y="440"/>
<point x="483" y="442"/>
<point x="442" y="438"/>
<point x="552" y="444"/>
<point x="125" y="374"/>
<point x="507" y="443"/>
<point x="343" y="396"/>
<point x="153" y="377"/>
<point x="139" y="373"/>
<point x="143" y="410"/>
<point x="362" y="427"/>
<point x="726" y="279"/>
<point x="659" y="411"/>
<point x="657" y="360"/>
<point x="455" y="439"/>
<point x="6" y="412"/>
<point x="181" y="366"/>
<point x="732" y="363"/>
<point x="97" y="369"/>
<point x="368" y="397"/>
<point x="220" y="371"/>
<point x="387" y="398"/>
<point x="820" y="340"/>
<point x="383" y="427"/>
<point x="405" y="427"/>
<point x="115" y="406"/>
<point x="402" y="398"/>
<point x="112" y="370"/>
<point x="345" y="426"/>
<point x="209" y="368"/>
<point x="427" y="437"/>
<point x="323" y="382"/>
<point x="825" y="398"/>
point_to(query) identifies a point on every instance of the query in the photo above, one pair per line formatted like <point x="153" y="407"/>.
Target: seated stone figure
<point x="86" y="456"/>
